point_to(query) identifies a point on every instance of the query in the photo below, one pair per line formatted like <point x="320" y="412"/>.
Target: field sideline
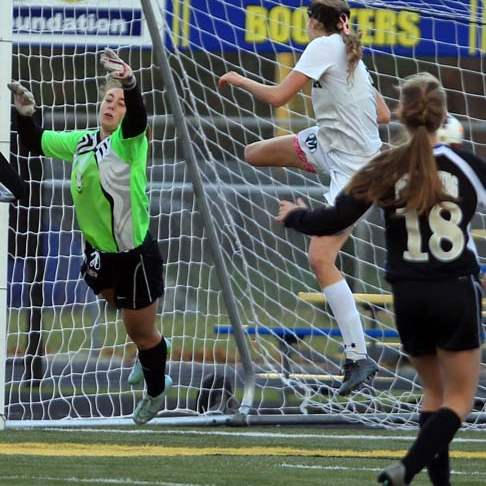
<point x="156" y="456"/>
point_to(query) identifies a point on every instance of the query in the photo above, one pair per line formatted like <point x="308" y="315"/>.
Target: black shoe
<point x="393" y="475"/>
<point x="356" y="373"/>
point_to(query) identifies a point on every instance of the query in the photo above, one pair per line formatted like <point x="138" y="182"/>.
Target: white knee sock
<point x="343" y="306"/>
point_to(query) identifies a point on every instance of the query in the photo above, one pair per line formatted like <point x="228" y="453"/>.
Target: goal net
<point x="68" y="356"/>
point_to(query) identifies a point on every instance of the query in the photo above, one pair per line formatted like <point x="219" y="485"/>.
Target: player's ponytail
<point x="354" y="51"/>
<point x="334" y="16"/>
<point x="407" y="175"/>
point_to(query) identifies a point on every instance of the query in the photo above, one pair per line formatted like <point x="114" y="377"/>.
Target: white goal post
<point x="5" y="196"/>
<point x="247" y="345"/>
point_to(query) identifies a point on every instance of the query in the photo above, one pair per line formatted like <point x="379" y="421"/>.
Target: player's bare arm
<point x="383" y="114"/>
<point x="275" y="96"/>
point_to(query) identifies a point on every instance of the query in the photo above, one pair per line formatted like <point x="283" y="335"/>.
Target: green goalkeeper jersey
<point x="108" y="185"/>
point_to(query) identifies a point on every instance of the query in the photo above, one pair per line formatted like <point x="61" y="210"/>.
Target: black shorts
<point x="443" y="314"/>
<point x="135" y="275"/>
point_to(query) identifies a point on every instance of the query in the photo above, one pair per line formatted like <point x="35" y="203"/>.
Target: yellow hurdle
<point x="377" y="299"/>
<point x="479" y="234"/>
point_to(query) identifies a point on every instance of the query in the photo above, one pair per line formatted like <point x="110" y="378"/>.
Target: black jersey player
<point x="429" y="194"/>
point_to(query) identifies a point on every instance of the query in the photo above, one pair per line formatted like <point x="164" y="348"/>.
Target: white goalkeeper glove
<point x="23" y="99"/>
<point x="118" y="68"/>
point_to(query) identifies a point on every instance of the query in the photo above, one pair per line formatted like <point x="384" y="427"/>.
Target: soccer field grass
<point x="162" y="456"/>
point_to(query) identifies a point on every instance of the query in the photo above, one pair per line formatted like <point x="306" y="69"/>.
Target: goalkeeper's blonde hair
<point x="113" y="83"/>
<point x="109" y="83"/>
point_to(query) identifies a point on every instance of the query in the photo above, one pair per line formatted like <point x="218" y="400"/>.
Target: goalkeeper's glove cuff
<point x="129" y="83"/>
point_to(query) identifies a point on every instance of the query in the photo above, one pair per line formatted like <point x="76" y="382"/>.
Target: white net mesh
<point x="68" y="355"/>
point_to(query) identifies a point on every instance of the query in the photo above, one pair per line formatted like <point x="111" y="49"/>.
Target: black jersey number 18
<point x="443" y="229"/>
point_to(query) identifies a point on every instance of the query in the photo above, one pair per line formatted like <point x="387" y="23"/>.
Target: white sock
<point x="343" y="306"/>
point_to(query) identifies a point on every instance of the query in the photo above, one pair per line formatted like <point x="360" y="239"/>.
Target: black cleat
<point x="356" y="373"/>
<point x="393" y="475"/>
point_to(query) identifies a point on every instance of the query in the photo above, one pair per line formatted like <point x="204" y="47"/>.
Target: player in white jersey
<point x="348" y="110"/>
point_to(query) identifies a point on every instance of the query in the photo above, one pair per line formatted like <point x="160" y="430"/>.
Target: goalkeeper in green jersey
<point x="108" y="186"/>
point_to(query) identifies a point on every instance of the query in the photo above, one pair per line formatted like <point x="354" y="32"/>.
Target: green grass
<point x="183" y="461"/>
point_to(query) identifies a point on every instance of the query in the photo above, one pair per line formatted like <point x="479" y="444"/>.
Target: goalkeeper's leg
<point x="136" y="374"/>
<point x="152" y="353"/>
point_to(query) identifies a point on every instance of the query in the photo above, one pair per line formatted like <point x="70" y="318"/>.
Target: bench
<point x="294" y="333"/>
<point x="288" y="336"/>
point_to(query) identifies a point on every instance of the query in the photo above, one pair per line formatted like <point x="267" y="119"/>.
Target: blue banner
<point x="412" y="28"/>
<point x="77" y="21"/>
<point x="427" y="29"/>
<point x="56" y="25"/>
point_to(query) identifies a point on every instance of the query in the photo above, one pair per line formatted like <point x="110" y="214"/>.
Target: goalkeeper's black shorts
<point x="136" y="276"/>
<point x="443" y="314"/>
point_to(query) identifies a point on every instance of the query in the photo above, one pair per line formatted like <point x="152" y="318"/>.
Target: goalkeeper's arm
<point x="135" y="120"/>
<point x="29" y="132"/>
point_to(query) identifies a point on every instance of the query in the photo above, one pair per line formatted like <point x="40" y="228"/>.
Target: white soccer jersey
<point x="345" y="110"/>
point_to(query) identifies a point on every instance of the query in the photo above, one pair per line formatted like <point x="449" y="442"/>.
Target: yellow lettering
<point x="279" y="24"/>
<point x="409" y="36"/>
<point x="385" y="28"/>
<point x="365" y="25"/>
<point x="473" y="28"/>
<point x="256" y="24"/>
<point x="299" y="26"/>
<point x="380" y="27"/>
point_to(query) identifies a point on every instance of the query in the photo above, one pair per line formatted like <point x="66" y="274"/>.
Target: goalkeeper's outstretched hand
<point x="286" y="207"/>
<point x="117" y="68"/>
<point x="23" y="98"/>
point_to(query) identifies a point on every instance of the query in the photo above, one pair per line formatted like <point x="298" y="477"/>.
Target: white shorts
<point x="340" y="167"/>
